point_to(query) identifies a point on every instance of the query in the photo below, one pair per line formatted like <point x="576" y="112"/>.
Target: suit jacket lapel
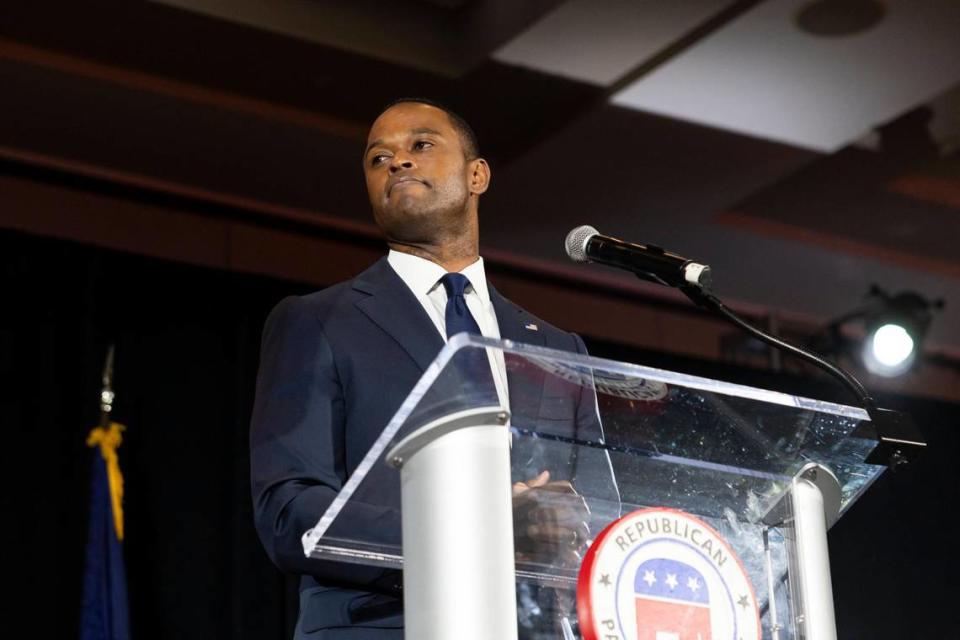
<point x="393" y="307"/>
<point x="524" y="379"/>
<point x="515" y="323"/>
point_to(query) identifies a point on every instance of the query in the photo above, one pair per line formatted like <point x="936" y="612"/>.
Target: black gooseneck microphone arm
<point x="899" y="441"/>
<point x="707" y="300"/>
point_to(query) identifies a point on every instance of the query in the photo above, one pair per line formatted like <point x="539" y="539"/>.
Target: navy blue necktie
<point x="478" y="387"/>
<point x="458" y="316"/>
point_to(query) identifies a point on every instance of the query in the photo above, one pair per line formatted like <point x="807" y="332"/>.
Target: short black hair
<point x="468" y="138"/>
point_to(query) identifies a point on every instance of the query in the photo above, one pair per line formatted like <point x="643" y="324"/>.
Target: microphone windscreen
<point x="576" y="242"/>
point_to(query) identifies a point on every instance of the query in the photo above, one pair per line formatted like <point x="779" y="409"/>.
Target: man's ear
<point x="479" y="176"/>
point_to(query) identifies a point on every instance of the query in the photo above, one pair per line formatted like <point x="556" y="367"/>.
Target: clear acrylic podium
<point x="768" y="471"/>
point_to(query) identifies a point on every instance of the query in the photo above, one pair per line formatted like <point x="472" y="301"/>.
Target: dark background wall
<point x="187" y="341"/>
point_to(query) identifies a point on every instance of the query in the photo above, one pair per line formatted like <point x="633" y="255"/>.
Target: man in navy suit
<point x="336" y="365"/>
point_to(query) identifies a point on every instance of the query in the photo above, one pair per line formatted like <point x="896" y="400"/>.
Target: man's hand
<point x="549" y="521"/>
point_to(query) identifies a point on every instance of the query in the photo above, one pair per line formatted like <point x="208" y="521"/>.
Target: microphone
<point x="648" y="262"/>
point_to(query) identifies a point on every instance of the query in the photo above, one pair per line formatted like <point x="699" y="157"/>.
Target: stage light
<point x="892" y="328"/>
<point x="889" y="351"/>
<point x="895" y="328"/>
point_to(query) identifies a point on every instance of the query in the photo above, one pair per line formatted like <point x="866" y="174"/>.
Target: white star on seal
<point x="693" y="583"/>
<point x="672" y="581"/>
<point x="649" y="578"/>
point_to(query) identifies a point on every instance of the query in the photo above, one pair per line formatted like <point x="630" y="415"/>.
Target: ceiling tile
<point x="599" y="41"/>
<point x="762" y="76"/>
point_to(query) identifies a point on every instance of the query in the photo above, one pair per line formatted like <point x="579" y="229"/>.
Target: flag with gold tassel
<point x="104" y="614"/>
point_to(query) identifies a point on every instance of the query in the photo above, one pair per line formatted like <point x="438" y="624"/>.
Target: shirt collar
<point x="422" y="275"/>
<point x="478" y="279"/>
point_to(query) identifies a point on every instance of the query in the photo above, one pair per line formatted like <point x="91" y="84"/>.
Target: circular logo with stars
<point x="662" y="574"/>
<point x="631" y="387"/>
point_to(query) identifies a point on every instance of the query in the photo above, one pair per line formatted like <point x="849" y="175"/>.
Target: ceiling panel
<point x="763" y="76"/>
<point x="446" y="37"/>
<point x="599" y="41"/>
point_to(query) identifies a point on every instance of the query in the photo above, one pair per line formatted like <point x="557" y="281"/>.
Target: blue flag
<point x="104" y="614"/>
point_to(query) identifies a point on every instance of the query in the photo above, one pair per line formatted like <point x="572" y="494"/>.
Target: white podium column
<point x="458" y="557"/>
<point x="804" y="514"/>
<point x="816" y="620"/>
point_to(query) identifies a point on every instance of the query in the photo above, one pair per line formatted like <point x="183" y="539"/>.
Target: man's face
<point x="418" y="179"/>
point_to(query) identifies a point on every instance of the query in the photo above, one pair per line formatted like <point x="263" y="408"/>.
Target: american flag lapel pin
<point x="532" y="327"/>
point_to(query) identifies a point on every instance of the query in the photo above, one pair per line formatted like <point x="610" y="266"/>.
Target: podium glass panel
<point x="615" y="438"/>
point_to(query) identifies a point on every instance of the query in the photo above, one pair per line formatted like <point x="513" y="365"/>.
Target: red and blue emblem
<point x="675" y="597"/>
<point x="662" y="574"/>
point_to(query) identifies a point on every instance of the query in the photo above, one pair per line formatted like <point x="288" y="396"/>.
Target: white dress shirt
<point x="423" y="278"/>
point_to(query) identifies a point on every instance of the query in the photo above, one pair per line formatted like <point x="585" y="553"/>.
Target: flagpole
<point x="106" y="393"/>
<point x="104" y="611"/>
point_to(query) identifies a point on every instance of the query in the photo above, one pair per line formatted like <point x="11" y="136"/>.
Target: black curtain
<point x="187" y="342"/>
